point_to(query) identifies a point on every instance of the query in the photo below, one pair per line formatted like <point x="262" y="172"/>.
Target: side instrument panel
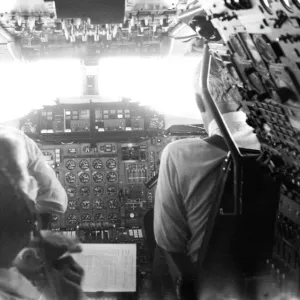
<point x="260" y="61"/>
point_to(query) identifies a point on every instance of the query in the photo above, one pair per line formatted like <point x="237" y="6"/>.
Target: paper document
<point x="108" y="267"/>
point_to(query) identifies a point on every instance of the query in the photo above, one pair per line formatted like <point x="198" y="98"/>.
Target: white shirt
<point x="51" y="196"/>
<point x="14" y="286"/>
<point x="188" y="174"/>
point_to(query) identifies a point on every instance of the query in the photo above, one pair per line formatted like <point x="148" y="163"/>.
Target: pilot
<point x="51" y="197"/>
<point x="17" y="217"/>
<point x="187" y="177"/>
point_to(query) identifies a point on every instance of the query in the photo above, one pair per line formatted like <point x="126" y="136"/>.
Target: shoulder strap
<point x="217" y="141"/>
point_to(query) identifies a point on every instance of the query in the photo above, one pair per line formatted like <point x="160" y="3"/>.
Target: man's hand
<point x="45" y="263"/>
<point x="65" y="278"/>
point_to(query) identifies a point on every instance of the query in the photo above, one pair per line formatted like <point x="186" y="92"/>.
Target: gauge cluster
<point x="105" y="182"/>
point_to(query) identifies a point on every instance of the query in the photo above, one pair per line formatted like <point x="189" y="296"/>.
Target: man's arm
<point x="170" y="224"/>
<point x="51" y="197"/>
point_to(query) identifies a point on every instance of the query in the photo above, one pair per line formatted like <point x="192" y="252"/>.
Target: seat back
<point x="236" y="246"/>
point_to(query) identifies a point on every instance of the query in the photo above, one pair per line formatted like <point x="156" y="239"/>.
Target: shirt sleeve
<point x="52" y="197"/>
<point x="170" y="224"/>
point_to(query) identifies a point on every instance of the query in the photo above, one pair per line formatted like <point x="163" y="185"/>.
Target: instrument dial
<point x="84" y="177"/>
<point x="111" y="177"/>
<point x="111" y="163"/>
<point x="84" y="164"/>
<point x="97" y="177"/>
<point x="70" y="177"/>
<point x="112" y="190"/>
<point x="70" y="164"/>
<point x="86" y="149"/>
<point x="113" y="203"/>
<point x="71" y="191"/>
<point x="85" y="204"/>
<point x="98" y="191"/>
<point x="84" y="191"/>
<point x="99" y="204"/>
<point x="72" y="205"/>
<point x="97" y="164"/>
<point x="99" y="217"/>
<point x="72" y="219"/>
<point x="86" y="218"/>
<point x="113" y="218"/>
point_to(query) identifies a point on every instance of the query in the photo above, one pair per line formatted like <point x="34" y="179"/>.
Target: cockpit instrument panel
<point x="105" y="181"/>
<point x="96" y="119"/>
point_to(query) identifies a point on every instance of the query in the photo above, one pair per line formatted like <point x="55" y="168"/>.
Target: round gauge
<point x="85" y="204"/>
<point x="98" y="191"/>
<point x="84" y="191"/>
<point x="97" y="164"/>
<point x="72" y="205"/>
<point x="72" y="219"/>
<point x="70" y="164"/>
<point x="99" y="217"/>
<point x="99" y="204"/>
<point x="111" y="177"/>
<point x="267" y="5"/>
<point x="97" y="177"/>
<point x="70" y="177"/>
<point x="86" y="218"/>
<point x="113" y="217"/>
<point x="54" y="219"/>
<point x="86" y="149"/>
<point x="84" y="177"/>
<point x="84" y="164"/>
<point x="71" y="191"/>
<point x="131" y="215"/>
<point x="264" y="48"/>
<point x="238" y="47"/>
<point x="287" y="5"/>
<point x="112" y="203"/>
<point x="112" y="190"/>
<point x="111" y="163"/>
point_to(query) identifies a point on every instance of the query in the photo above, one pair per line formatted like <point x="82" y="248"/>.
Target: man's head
<point x="218" y="91"/>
